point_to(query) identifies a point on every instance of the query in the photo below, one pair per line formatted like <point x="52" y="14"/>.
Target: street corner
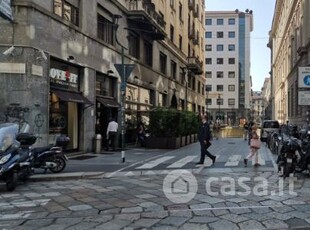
<point x="180" y="186"/>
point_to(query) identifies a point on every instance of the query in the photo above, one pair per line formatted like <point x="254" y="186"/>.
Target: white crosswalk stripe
<point x="154" y="163"/>
<point x="233" y="160"/>
<point x="180" y="163"/>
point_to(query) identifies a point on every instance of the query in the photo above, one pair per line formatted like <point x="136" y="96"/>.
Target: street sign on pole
<point x="128" y="68"/>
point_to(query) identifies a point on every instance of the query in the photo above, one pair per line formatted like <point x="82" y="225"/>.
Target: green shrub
<point x="172" y="123"/>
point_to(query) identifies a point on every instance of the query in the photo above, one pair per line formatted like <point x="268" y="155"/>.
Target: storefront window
<point x="104" y="86"/>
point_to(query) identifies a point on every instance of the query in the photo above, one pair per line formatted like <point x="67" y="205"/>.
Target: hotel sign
<point x="6" y="9"/>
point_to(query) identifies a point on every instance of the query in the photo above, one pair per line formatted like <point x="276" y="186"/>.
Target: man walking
<point x="204" y="137"/>
<point x="112" y="133"/>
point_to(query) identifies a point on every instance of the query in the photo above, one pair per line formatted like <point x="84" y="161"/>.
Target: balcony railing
<point x="148" y="8"/>
<point x="194" y="65"/>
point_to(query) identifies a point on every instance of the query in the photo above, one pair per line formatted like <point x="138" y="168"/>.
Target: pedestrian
<point x="216" y="129"/>
<point x="254" y="146"/>
<point x="204" y="140"/>
<point x="141" y="134"/>
<point x="111" y="134"/>
<point x="245" y="128"/>
<point x="251" y="123"/>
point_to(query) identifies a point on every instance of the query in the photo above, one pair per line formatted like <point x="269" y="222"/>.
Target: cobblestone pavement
<point x="140" y="202"/>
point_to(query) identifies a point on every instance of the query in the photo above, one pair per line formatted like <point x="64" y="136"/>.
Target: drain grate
<point x="82" y="157"/>
<point x="231" y="143"/>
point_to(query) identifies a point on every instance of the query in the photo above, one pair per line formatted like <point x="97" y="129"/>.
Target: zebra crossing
<point x="185" y="162"/>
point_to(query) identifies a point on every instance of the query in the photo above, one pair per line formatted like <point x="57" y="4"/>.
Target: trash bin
<point x="97" y="143"/>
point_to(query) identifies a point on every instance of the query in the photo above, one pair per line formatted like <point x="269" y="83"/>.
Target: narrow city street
<point x="163" y="191"/>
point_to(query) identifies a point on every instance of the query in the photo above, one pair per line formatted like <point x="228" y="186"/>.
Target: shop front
<point x="66" y="102"/>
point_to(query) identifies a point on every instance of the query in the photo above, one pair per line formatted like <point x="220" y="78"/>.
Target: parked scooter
<point x="15" y="162"/>
<point x="287" y="159"/>
<point x="304" y="157"/>
<point x="51" y="157"/>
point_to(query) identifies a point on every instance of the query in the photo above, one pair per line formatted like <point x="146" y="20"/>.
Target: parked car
<point x="268" y="126"/>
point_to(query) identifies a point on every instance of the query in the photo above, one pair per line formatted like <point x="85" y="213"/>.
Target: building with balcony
<point x="258" y="107"/>
<point x="290" y="47"/>
<point x="57" y="62"/>
<point x="227" y="64"/>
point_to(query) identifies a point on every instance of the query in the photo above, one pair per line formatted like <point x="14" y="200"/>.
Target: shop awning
<point x="71" y="96"/>
<point x="108" y="102"/>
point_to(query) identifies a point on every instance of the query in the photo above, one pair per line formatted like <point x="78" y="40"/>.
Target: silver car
<point x="268" y="127"/>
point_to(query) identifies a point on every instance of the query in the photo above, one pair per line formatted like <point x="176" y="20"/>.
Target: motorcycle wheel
<point x="61" y="164"/>
<point x="11" y="182"/>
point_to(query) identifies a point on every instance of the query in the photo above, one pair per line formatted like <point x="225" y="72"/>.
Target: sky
<point x="263" y="11"/>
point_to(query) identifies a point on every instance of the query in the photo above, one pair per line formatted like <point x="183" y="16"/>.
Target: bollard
<point x="123" y="156"/>
<point x="98" y="139"/>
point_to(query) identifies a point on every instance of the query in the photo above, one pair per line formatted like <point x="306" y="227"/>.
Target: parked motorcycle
<point x="51" y="157"/>
<point x="15" y="162"/>
<point x="304" y="157"/>
<point x="287" y="159"/>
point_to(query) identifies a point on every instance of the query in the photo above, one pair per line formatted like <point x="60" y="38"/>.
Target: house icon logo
<point x="180" y="186"/>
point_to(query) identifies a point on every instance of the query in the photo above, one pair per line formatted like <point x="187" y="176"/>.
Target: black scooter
<point x="304" y="157"/>
<point x="51" y="157"/>
<point x="15" y="162"/>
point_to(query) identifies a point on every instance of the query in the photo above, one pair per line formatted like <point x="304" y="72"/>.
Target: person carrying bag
<point x="254" y="147"/>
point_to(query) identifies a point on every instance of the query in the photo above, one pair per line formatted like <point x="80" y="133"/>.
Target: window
<point x="220" y="61"/>
<point x="67" y="11"/>
<point x="134" y="45"/>
<point x="208" y="101"/>
<point x="220" y="74"/>
<point x="173" y="69"/>
<point x="219" y="48"/>
<point x="198" y="88"/>
<point x="231" y="88"/>
<point x="208" y="34"/>
<point x="104" y="85"/>
<point x="181" y="11"/>
<point x="220" y="88"/>
<point x="231" y="101"/>
<point x="105" y="30"/>
<point x="220" y="21"/>
<point x="163" y="62"/>
<point x="231" y="21"/>
<point x="231" y="34"/>
<point x="171" y="33"/>
<point x="208" y="47"/>
<point x="220" y="34"/>
<point x="148" y="53"/>
<point x="219" y="101"/>
<point x="209" y="88"/>
<point x="208" y="74"/>
<point x="231" y="74"/>
<point x="231" y="47"/>
<point x="208" y="61"/>
<point x="172" y="4"/>
<point x="231" y="61"/>
<point x="180" y="42"/>
<point x="208" y="21"/>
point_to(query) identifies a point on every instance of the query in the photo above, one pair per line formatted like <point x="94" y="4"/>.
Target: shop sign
<point x="63" y="79"/>
<point x="304" y="77"/>
<point x="6" y="9"/>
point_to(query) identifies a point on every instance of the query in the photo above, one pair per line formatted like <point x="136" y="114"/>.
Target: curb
<point x="66" y="176"/>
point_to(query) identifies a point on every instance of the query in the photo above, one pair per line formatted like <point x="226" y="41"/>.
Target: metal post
<point x="123" y="97"/>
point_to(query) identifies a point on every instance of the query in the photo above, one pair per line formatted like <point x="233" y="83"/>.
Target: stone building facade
<point x="290" y="46"/>
<point x="57" y="63"/>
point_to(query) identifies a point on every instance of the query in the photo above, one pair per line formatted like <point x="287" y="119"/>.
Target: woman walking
<point x="254" y="146"/>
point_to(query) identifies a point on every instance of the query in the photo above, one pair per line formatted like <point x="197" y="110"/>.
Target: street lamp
<point x="219" y="103"/>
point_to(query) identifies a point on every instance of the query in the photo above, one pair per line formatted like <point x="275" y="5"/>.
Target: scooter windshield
<point x="8" y="133"/>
